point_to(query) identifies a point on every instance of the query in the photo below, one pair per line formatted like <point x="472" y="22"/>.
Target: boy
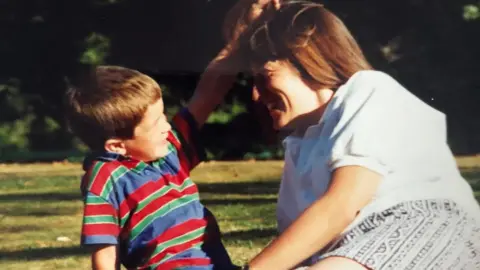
<point x="141" y="208"/>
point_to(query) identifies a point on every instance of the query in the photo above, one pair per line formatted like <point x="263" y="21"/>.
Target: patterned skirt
<point x="424" y="234"/>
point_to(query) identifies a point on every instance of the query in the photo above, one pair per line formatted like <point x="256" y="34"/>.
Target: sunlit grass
<point x="42" y="202"/>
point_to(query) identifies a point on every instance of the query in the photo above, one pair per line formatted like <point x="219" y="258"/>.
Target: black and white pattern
<point x="424" y="234"/>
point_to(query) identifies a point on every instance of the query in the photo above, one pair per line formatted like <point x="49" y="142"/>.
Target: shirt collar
<point x="101" y="156"/>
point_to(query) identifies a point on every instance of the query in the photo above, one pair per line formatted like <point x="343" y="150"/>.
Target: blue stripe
<point x="171" y="164"/>
<point x="99" y="239"/>
<point x="193" y="210"/>
<point x="132" y="180"/>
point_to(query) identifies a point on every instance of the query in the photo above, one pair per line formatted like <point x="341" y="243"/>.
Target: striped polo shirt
<point x="152" y="210"/>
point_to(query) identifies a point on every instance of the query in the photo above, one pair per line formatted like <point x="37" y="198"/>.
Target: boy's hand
<point x="243" y="14"/>
<point x="221" y="73"/>
<point x="104" y="257"/>
<point x="214" y="84"/>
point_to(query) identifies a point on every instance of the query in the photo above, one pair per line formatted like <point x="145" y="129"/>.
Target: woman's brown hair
<point x="311" y="39"/>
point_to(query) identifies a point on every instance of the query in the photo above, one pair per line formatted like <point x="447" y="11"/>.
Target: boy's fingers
<point x="276" y="4"/>
<point x="264" y="3"/>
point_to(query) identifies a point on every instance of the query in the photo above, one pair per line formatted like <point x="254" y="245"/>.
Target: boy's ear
<point x="116" y="146"/>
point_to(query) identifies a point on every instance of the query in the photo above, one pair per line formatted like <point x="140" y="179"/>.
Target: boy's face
<point x="150" y="135"/>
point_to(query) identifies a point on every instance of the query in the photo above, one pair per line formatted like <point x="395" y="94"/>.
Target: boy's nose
<point x="167" y="127"/>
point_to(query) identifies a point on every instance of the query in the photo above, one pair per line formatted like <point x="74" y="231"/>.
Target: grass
<point x="41" y="202"/>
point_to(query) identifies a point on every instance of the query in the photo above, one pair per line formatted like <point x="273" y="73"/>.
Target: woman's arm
<point x="352" y="187"/>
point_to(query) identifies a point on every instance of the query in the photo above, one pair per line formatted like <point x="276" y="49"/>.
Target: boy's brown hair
<point x="309" y="38"/>
<point x="109" y="103"/>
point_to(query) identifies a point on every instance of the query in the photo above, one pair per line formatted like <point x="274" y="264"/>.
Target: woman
<point x="369" y="180"/>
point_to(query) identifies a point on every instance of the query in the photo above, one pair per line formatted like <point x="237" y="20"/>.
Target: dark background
<point x="430" y="46"/>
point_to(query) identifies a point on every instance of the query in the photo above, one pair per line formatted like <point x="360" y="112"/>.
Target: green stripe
<point x="187" y="183"/>
<point x="177" y="241"/>
<point x="94" y="200"/>
<point x="161" y="212"/>
<point x="157" y="194"/>
<point x="140" y="167"/>
<point x="98" y="166"/>
<point x="99" y="219"/>
<point x="114" y="176"/>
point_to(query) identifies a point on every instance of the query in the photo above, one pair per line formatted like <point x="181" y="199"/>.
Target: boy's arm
<point x="100" y="228"/>
<point x="221" y="73"/>
<point x="214" y="84"/>
<point x="104" y="257"/>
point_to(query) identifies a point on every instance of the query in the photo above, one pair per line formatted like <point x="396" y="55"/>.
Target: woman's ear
<point x="115" y="146"/>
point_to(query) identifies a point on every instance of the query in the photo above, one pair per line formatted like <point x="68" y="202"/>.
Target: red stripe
<point x="131" y="201"/>
<point x="185" y="130"/>
<point x="99" y="210"/>
<point x="182" y="156"/>
<point x="175" y="249"/>
<point x="100" y="229"/>
<point x="130" y="164"/>
<point x="178" y="230"/>
<point x="103" y="176"/>
<point x="156" y="204"/>
<point x="184" y="162"/>
<point x="178" y="179"/>
<point x="171" y="138"/>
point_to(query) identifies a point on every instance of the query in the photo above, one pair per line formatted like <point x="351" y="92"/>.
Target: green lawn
<point x="40" y="203"/>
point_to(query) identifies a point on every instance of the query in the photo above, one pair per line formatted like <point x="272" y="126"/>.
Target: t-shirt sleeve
<point x="378" y="124"/>
<point x="100" y="221"/>
<point x="185" y="137"/>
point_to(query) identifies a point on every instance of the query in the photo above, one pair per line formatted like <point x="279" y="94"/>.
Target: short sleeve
<point x="379" y="126"/>
<point x="185" y="136"/>
<point x="100" y="221"/>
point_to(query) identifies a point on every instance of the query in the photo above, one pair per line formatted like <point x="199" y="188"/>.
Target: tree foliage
<point x="432" y="47"/>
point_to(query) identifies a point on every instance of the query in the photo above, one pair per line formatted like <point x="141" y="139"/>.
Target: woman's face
<point x="291" y="102"/>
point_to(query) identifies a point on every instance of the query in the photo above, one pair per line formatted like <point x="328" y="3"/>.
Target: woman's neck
<point x="313" y="118"/>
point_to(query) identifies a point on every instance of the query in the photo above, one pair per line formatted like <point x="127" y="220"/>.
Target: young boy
<point x="141" y="208"/>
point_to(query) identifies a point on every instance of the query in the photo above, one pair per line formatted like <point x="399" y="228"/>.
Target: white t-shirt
<point x="374" y="122"/>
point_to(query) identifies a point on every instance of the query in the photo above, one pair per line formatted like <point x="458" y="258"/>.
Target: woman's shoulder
<point x="363" y="84"/>
<point x="367" y="79"/>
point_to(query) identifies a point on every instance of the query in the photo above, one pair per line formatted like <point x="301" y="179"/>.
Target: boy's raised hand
<point x="243" y="14"/>
<point x="220" y="75"/>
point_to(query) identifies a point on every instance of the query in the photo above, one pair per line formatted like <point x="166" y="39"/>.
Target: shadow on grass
<point x="210" y="202"/>
<point x="250" y="234"/>
<point x="259" y="187"/>
<point x="34" y="212"/>
<point x="22" y="228"/>
<point x="17" y="197"/>
<point x="42" y="253"/>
